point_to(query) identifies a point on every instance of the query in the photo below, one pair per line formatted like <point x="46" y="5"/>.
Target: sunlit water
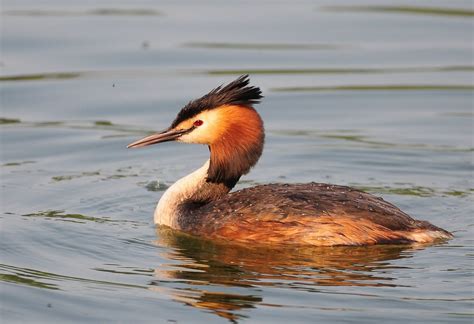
<point x="380" y="98"/>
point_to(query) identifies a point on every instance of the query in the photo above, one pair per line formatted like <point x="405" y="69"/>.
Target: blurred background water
<point x="373" y="94"/>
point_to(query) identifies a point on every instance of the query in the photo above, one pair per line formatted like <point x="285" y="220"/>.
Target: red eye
<point x="198" y="123"/>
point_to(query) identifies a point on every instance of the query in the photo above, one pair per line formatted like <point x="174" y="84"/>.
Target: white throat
<point x="192" y="188"/>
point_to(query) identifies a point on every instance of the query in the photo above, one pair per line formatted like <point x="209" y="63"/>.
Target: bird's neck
<point x="185" y="194"/>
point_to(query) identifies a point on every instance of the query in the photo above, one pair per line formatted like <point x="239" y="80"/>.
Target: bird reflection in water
<point x="218" y="277"/>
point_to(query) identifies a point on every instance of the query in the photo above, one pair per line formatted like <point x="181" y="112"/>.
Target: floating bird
<point x="315" y="214"/>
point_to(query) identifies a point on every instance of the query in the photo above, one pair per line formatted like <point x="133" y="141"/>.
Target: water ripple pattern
<point x="376" y="95"/>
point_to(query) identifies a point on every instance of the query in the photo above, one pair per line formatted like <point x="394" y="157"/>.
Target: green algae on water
<point x="75" y="176"/>
<point x="435" y="11"/>
<point x="49" y="123"/>
<point x="16" y="279"/>
<point x="458" y="193"/>
<point x="40" y="76"/>
<point x="60" y="214"/>
<point x="9" y="121"/>
<point x="9" y="164"/>
<point x="103" y="123"/>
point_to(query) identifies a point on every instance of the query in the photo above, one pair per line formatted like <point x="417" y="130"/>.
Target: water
<point x="380" y="98"/>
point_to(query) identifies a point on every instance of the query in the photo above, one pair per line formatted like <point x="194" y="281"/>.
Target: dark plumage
<point x="235" y="93"/>
<point x="307" y="214"/>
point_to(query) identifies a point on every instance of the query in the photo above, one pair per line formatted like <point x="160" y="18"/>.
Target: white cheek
<point x="196" y="136"/>
<point x="202" y="134"/>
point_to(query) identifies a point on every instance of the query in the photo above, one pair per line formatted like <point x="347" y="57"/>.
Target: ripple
<point x="345" y="135"/>
<point x="75" y="218"/>
<point x="466" y="114"/>
<point x="153" y="185"/>
<point x="85" y="125"/>
<point x="453" y="68"/>
<point x="127" y="271"/>
<point x="386" y="87"/>
<point x="133" y="73"/>
<point x="262" y="46"/>
<point x="42" y="279"/>
<point x="418" y="191"/>
<point x="91" y="12"/>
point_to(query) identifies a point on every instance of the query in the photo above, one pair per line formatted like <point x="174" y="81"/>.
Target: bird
<point x="298" y="214"/>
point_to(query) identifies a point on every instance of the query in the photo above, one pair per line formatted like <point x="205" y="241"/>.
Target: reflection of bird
<point x="209" y="275"/>
<point x="219" y="263"/>
<point x="304" y="214"/>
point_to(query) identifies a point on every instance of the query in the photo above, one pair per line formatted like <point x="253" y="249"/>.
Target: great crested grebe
<point x="304" y="214"/>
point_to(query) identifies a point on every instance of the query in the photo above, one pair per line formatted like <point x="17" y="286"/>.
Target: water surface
<point x="378" y="96"/>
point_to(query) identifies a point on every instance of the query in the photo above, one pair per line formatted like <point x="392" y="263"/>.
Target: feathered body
<point x="307" y="214"/>
<point x="299" y="214"/>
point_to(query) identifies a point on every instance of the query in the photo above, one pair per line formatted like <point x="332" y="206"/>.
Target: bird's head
<point x="225" y="120"/>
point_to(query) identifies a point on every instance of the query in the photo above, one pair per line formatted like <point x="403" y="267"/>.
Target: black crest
<point x="238" y="92"/>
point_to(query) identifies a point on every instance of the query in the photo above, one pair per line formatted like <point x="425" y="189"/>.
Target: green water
<point x="376" y="96"/>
